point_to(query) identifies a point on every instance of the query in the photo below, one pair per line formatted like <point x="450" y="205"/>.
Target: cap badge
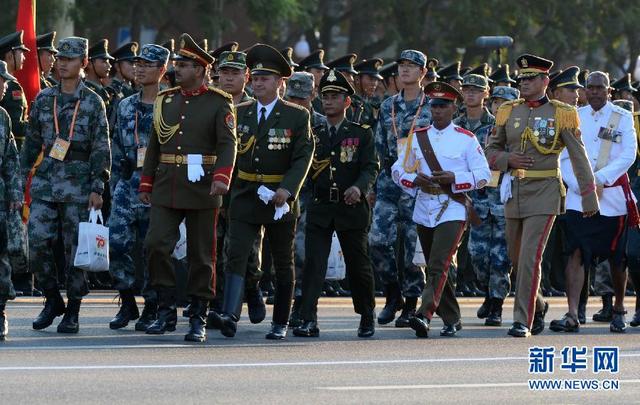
<point x="524" y="63"/>
<point x="332" y="76"/>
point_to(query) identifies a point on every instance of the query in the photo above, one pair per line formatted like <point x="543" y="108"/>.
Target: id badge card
<point x="495" y="178"/>
<point x="59" y="149"/>
<point x="140" y="157"/>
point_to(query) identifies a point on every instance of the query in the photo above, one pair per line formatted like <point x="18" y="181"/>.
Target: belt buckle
<point x="334" y="194"/>
<point x="259" y="178"/>
<point x="178" y="159"/>
<point x="520" y="173"/>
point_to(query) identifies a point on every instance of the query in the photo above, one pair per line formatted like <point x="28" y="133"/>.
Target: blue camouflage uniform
<point x="393" y="209"/>
<point x="487" y="245"/>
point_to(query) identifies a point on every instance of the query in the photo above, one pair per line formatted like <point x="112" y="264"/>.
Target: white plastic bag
<point x="92" y="253"/>
<point x="418" y="257"/>
<point x="336" y="268"/>
<point x="180" y="251"/>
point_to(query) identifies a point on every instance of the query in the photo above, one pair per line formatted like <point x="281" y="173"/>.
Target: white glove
<point x="266" y="195"/>
<point x="281" y="211"/>
<point x="194" y="168"/>
<point x="505" y="188"/>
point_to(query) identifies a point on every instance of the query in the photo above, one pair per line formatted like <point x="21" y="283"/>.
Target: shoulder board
<point x="167" y="91"/>
<point x="245" y="103"/>
<point x="290" y="104"/>
<point x="504" y="111"/>
<point x="560" y="104"/>
<point x="221" y="92"/>
<point x="621" y="110"/>
<point x="464" y="131"/>
<point x="363" y="126"/>
<point x="422" y="129"/>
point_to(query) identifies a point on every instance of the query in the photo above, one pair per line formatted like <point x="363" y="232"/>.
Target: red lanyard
<point x="73" y="119"/>
<point x="415" y="117"/>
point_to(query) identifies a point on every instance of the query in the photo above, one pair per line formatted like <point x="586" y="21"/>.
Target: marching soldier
<point x="123" y="81"/>
<point x="216" y="54"/>
<point x="487" y="245"/>
<point x="274" y="155"/>
<point x="46" y="58"/>
<point x="129" y="219"/>
<point x="365" y="103"/>
<point x="399" y="116"/>
<point x="68" y="142"/>
<point x="12" y="51"/>
<point x="98" y="69"/>
<point x="11" y="197"/>
<point x="437" y="165"/>
<point x="525" y="143"/>
<point x="344" y="168"/>
<point x="187" y="169"/>
<point x="564" y="87"/>
<point x="314" y="64"/>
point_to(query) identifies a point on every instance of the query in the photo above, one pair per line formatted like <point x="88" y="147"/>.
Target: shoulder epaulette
<point x="245" y="103"/>
<point x="504" y="111"/>
<point x="221" y="92"/>
<point x="566" y="116"/>
<point x="464" y="131"/>
<point x="560" y="104"/>
<point x="621" y="110"/>
<point x="361" y="125"/>
<point x="167" y="91"/>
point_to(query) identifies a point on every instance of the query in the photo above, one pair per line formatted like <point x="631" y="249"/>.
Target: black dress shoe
<point x="214" y="320"/>
<point x="277" y="332"/>
<point x="198" y="322"/>
<point x="538" y="320"/>
<point x="450" y="330"/>
<point x="408" y="311"/>
<point x="294" y="319"/>
<point x="519" y="330"/>
<point x="255" y="303"/>
<point x="307" y="329"/>
<point x="367" y="325"/>
<point x="421" y="325"/>
<point x="69" y="322"/>
<point x="393" y="303"/>
<point x="567" y="324"/>
<point x="148" y="316"/>
<point x="618" y="323"/>
<point x="53" y="307"/>
<point x="635" y="321"/>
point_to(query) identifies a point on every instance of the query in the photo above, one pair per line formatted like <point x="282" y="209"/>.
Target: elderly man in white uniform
<point x="610" y="141"/>
<point x="437" y="166"/>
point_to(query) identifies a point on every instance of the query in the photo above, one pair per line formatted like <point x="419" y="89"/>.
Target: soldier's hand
<point x="423" y="181"/>
<point x="219" y="188"/>
<point x="95" y="201"/>
<point x="519" y="160"/>
<point x="280" y="197"/>
<point x="352" y="195"/>
<point x="145" y="198"/>
<point x="443" y="177"/>
<point x="588" y="214"/>
<point x="15" y="205"/>
<point x="371" y="198"/>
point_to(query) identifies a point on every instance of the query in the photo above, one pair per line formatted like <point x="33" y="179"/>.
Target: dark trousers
<point x="358" y="268"/>
<point x="440" y="246"/>
<point x="201" y="249"/>
<point x="242" y="237"/>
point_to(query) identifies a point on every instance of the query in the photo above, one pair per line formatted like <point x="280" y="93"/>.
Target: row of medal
<point x="543" y="129"/>
<point x="278" y="139"/>
<point x="348" y="148"/>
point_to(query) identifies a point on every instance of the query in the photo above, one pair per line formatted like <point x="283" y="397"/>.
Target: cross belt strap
<point x="434" y="165"/>
<point x="605" y="146"/>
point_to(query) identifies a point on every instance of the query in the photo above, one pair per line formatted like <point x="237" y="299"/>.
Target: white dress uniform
<point x="457" y="151"/>
<point x="621" y="157"/>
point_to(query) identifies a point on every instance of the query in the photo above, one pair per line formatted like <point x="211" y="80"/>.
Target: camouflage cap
<point x="233" y="60"/>
<point x="300" y="85"/>
<point x="413" y="56"/>
<point x="4" y="73"/>
<point x="508" y="93"/>
<point x="153" y="53"/>
<point x="73" y="47"/>
<point x="475" y="80"/>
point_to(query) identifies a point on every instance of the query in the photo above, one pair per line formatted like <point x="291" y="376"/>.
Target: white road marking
<point x="270" y="364"/>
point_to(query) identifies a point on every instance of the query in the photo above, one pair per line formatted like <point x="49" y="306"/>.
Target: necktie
<point x="332" y="131"/>
<point x="263" y="117"/>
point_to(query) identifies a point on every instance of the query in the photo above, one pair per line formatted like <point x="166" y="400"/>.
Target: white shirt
<point x="621" y="157"/>
<point x="457" y="151"/>
<point x="268" y="107"/>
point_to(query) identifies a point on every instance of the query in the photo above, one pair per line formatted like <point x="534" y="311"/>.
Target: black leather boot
<point x="128" y="310"/>
<point x="197" y="321"/>
<point x="393" y="304"/>
<point x="4" y="324"/>
<point x="232" y="305"/>
<point x="148" y="316"/>
<point x="606" y="313"/>
<point x="281" y="311"/>
<point x="367" y="325"/>
<point x="485" y="308"/>
<point x="495" y="314"/>
<point x="53" y="307"/>
<point x="167" y="313"/>
<point x="408" y="311"/>
<point x="69" y="323"/>
<point x="255" y="303"/>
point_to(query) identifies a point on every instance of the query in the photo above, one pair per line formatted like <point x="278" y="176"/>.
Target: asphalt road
<point x="480" y="365"/>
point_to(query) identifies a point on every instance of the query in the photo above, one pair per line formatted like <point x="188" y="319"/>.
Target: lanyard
<point x="73" y="119"/>
<point x="415" y="117"/>
<point x="135" y="129"/>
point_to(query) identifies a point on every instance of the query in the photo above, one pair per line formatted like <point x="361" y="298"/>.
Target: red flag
<point x="29" y="76"/>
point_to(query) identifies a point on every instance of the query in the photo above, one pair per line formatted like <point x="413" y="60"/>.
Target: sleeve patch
<point x="407" y="183"/>
<point x="463" y="186"/>
<point x="230" y="120"/>
<point x="16" y="94"/>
